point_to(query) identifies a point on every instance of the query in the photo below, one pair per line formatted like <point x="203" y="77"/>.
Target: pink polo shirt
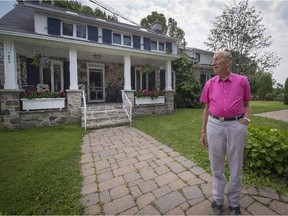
<point x="226" y="98"/>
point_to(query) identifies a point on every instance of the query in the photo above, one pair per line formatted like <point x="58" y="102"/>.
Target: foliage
<point x="171" y="28"/>
<point x="41" y="94"/>
<point x="239" y="29"/>
<point x="264" y="86"/>
<point x="40" y="171"/>
<point x="266" y="150"/>
<point x="77" y="7"/>
<point x="286" y="92"/>
<point x="188" y="89"/>
<point x="146" y="93"/>
<point x="40" y="60"/>
<point x="181" y="131"/>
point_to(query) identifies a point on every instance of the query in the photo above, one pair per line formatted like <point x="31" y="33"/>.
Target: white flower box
<point x="149" y="100"/>
<point x="43" y="103"/>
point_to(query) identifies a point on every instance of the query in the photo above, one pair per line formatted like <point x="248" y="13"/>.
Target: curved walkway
<point x="279" y="115"/>
<point x="126" y="171"/>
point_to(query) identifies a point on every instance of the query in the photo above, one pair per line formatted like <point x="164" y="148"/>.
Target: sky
<point x="195" y="18"/>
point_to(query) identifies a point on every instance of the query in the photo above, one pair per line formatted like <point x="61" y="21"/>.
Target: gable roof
<point x="11" y="21"/>
<point x="21" y="19"/>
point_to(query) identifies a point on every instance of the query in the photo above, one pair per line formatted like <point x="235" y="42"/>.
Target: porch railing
<point x="127" y="105"/>
<point x="84" y="109"/>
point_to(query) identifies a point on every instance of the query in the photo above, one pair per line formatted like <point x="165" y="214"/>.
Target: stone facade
<point x="43" y="118"/>
<point x="153" y="109"/>
<point x="74" y="104"/>
<point x="14" y="118"/>
<point x="10" y="109"/>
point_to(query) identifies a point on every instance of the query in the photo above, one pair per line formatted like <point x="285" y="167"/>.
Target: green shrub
<point x="266" y="150"/>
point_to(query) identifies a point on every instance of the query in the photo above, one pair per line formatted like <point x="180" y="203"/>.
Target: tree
<point x="188" y="89"/>
<point x="76" y="6"/>
<point x="286" y="92"/>
<point x="171" y="28"/>
<point x="239" y="30"/>
<point x="265" y="86"/>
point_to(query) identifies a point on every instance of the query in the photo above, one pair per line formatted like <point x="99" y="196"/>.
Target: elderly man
<point x="224" y="129"/>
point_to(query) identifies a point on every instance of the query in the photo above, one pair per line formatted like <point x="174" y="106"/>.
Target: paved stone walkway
<point x="128" y="172"/>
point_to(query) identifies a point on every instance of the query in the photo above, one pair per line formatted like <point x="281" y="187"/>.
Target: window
<point x="81" y="31"/>
<point x="141" y="80"/>
<point x="161" y="46"/>
<point x="68" y="29"/>
<point x="53" y="76"/>
<point x="116" y="38"/>
<point x="198" y="57"/>
<point x="127" y="40"/>
<point x="153" y="45"/>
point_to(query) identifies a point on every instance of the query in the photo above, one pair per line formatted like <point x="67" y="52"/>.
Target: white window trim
<point x="74" y="30"/>
<point x="52" y="75"/>
<point x="122" y="39"/>
<point x="141" y="79"/>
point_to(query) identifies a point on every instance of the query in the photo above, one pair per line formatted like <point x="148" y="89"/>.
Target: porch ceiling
<point x="60" y="48"/>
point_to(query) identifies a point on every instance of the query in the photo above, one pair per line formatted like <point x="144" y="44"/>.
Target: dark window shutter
<point x="92" y="33"/>
<point x="33" y="77"/>
<point x="133" y="78"/>
<point x="147" y="44"/>
<point x="168" y="47"/>
<point x="202" y="79"/>
<point x="162" y="79"/>
<point x="151" y="81"/>
<point x="53" y="26"/>
<point x="107" y="36"/>
<point x="66" y="75"/>
<point x="136" y="42"/>
<point x="144" y="81"/>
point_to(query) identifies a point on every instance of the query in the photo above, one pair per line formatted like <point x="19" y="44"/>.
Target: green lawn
<point x="181" y="131"/>
<point x="40" y="169"/>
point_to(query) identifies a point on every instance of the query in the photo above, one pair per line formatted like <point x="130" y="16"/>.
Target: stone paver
<point x="127" y="172"/>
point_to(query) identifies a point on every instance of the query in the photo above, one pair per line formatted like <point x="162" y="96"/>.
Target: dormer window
<point x="116" y="38"/>
<point x="161" y="47"/>
<point x="153" y="45"/>
<point x="127" y="40"/>
<point x="68" y="29"/>
<point x="80" y="31"/>
<point x="122" y="39"/>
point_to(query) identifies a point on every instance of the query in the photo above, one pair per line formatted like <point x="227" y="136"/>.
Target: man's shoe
<point x="235" y="210"/>
<point x="215" y="209"/>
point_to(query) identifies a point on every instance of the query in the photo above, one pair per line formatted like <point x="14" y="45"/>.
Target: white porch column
<point x="10" y="66"/>
<point x="73" y="69"/>
<point x="168" y="75"/>
<point x="127" y="73"/>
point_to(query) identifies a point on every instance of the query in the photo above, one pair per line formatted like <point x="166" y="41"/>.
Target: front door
<point x="96" y="91"/>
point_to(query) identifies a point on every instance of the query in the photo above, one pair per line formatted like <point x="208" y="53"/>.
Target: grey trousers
<point x="229" y="138"/>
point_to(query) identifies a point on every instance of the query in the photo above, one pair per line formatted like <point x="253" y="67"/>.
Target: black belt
<point x="236" y="118"/>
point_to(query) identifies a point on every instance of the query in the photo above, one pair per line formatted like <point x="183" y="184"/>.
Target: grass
<point x="181" y="131"/>
<point x="40" y="171"/>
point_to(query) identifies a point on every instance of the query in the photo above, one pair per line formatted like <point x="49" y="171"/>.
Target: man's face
<point x="220" y="64"/>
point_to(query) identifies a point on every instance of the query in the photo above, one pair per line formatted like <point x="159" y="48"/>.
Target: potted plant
<point x="35" y="100"/>
<point x="143" y="96"/>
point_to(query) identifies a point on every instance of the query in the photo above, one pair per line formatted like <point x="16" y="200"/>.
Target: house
<point x="202" y="59"/>
<point x="74" y="53"/>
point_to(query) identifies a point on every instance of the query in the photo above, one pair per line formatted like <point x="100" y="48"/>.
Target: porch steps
<point x="106" y="115"/>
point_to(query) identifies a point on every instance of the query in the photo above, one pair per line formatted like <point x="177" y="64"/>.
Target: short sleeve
<point x="205" y="93"/>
